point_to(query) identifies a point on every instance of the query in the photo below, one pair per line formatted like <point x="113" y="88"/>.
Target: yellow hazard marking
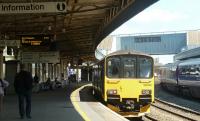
<point x="75" y="99"/>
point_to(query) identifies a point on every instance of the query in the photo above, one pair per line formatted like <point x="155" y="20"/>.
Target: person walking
<point x="3" y="85"/>
<point x="23" y="84"/>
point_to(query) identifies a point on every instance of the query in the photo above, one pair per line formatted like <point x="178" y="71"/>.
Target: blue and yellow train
<point x="125" y="82"/>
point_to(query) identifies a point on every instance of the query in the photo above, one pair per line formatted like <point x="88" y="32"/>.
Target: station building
<point x="162" y="46"/>
<point x="159" y="43"/>
<point x="154" y="44"/>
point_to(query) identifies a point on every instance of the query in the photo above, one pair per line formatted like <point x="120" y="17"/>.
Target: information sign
<point x="40" y="57"/>
<point x="33" y="7"/>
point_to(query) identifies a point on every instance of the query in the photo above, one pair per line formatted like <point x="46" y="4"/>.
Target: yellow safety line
<point x="74" y="101"/>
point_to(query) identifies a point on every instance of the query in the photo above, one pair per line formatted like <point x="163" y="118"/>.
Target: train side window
<point x="145" y="67"/>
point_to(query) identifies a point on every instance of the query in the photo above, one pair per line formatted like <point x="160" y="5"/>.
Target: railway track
<point x="147" y="117"/>
<point x="174" y="110"/>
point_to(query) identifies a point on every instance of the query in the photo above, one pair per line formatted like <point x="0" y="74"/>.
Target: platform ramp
<point x="90" y="108"/>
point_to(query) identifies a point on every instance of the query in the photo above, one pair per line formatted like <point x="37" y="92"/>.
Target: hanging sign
<point x="33" y="7"/>
<point x="40" y="57"/>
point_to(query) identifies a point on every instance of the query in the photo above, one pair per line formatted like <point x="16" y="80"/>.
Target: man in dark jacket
<point x="23" y="87"/>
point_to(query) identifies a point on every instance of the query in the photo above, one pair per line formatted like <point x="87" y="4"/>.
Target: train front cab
<point x="129" y="94"/>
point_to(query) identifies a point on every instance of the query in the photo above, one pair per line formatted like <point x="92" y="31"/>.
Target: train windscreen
<point x="129" y="67"/>
<point x="145" y="67"/>
<point x="113" y="66"/>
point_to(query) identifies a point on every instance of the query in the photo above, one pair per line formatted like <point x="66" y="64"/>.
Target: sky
<point x="164" y="15"/>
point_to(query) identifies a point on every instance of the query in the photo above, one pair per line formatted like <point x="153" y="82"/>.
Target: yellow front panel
<point x="129" y="88"/>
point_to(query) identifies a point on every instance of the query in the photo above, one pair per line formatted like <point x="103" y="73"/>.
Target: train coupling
<point x="129" y="105"/>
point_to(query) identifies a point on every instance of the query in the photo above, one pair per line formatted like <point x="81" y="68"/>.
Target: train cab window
<point x="113" y="67"/>
<point x="129" y="67"/>
<point x="145" y="67"/>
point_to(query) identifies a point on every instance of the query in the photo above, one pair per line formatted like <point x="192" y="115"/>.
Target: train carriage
<point x="186" y="75"/>
<point x="189" y="76"/>
<point x="125" y="81"/>
<point x="168" y="76"/>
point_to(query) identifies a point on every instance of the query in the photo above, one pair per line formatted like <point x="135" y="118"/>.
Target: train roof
<point x="127" y="52"/>
<point x="124" y="52"/>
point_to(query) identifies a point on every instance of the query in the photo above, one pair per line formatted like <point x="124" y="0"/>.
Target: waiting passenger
<point x="36" y="79"/>
<point x="57" y="83"/>
<point x="36" y="83"/>
<point x="48" y="84"/>
<point x="3" y="85"/>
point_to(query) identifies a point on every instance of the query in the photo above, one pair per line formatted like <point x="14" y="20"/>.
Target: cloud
<point x="158" y="15"/>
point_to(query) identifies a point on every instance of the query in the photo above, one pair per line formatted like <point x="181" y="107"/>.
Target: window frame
<point x="137" y="69"/>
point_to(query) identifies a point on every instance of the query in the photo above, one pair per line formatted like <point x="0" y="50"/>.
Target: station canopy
<point x="72" y="27"/>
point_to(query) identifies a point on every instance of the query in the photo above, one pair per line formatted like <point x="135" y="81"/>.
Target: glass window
<point x="126" y="66"/>
<point x="145" y="67"/>
<point x="113" y="66"/>
<point x="129" y="67"/>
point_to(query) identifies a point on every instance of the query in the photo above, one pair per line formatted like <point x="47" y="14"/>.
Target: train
<point x="124" y="80"/>
<point x="182" y="77"/>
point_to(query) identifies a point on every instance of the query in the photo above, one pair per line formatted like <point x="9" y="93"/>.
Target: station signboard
<point x="36" y="40"/>
<point x="40" y="57"/>
<point x="33" y="7"/>
<point x="11" y="43"/>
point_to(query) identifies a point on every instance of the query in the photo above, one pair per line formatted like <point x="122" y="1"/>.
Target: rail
<point x="175" y="110"/>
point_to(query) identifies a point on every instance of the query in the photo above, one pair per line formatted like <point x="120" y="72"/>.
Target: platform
<point x="57" y="106"/>
<point x="90" y="108"/>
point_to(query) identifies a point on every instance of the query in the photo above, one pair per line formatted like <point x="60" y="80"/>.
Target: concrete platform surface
<point x="90" y="108"/>
<point x="46" y="106"/>
<point x="73" y="103"/>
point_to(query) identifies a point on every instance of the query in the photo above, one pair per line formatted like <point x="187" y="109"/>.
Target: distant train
<point x="182" y="77"/>
<point x="125" y="82"/>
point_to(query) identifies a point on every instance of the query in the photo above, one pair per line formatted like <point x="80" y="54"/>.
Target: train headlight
<point x="146" y="92"/>
<point x="111" y="92"/>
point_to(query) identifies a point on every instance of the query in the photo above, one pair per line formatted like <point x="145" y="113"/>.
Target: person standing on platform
<point x="23" y="84"/>
<point x="3" y="85"/>
<point x="36" y="83"/>
<point x="36" y="79"/>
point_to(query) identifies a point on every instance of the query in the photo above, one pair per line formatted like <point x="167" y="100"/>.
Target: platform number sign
<point x="61" y="6"/>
